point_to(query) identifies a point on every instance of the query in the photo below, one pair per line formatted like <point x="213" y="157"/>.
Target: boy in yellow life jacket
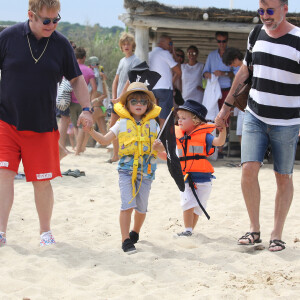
<point x="195" y="143"/>
<point x="136" y="131"/>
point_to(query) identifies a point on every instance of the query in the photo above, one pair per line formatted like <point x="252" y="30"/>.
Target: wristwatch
<point x="89" y="109"/>
<point x="226" y="73"/>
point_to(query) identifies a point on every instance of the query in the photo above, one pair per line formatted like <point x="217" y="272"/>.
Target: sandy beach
<point x="88" y="263"/>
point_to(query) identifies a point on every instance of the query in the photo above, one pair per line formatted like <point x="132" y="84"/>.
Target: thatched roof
<point x="153" y="8"/>
<point x="2" y="27"/>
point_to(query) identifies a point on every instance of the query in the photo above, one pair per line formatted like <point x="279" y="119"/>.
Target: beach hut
<point x="188" y="25"/>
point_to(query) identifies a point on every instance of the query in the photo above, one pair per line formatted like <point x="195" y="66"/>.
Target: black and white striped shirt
<point x="275" y="94"/>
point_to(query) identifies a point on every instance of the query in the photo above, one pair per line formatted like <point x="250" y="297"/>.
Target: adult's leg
<point x="6" y="196"/>
<point x="283" y="200"/>
<point x="43" y="195"/>
<point x="251" y="193"/>
<point x="284" y="145"/>
<point x="63" y="128"/>
<point x="80" y="141"/>
<point x="125" y="220"/>
<point x="254" y="144"/>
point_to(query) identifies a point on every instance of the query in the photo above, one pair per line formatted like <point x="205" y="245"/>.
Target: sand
<point x="88" y="263"/>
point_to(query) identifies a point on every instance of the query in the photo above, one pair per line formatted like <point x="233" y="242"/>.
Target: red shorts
<point x="39" y="152"/>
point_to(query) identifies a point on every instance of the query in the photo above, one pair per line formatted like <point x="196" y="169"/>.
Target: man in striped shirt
<point x="272" y="115"/>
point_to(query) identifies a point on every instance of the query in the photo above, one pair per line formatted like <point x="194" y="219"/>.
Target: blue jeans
<point x="256" y="137"/>
<point x="165" y="101"/>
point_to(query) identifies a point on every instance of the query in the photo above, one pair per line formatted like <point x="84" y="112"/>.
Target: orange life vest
<point x="192" y="149"/>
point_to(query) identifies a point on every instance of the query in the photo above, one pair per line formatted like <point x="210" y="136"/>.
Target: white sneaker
<point x="47" y="239"/>
<point x="185" y="233"/>
<point x="2" y="239"/>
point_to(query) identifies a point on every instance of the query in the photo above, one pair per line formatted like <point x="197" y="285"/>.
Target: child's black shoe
<point x="134" y="236"/>
<point x="128" y="246"/>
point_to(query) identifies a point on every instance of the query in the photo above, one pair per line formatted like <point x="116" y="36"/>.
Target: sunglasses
<point x="134" y="102"/>
<point x="192" y="53"/>
<point x="222" y="41"/>
<point x="171" y="43"/>
<point x="47" y="21"/>
<point x="179" y="55"/>
<point x="269" y="11"/>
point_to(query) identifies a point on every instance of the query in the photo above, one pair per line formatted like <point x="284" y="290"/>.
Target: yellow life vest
<point x="136" y="139"/>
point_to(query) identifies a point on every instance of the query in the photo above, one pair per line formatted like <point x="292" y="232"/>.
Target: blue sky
<point x="105" y="12"/>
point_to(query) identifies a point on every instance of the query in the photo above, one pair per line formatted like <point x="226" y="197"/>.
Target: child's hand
<point x="158" y="146"/>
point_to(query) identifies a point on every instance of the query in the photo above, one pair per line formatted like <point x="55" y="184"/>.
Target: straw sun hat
<point x="137" y="87"/>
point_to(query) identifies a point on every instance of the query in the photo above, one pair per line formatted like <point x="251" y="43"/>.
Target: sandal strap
<point x="246" y="237"/>
<point x="277" y="243"/>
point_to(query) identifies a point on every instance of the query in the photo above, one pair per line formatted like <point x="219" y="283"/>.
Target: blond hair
<point x="127" y="37"/>
<point x="37" y="5"/>
<point x="195" y="119"/>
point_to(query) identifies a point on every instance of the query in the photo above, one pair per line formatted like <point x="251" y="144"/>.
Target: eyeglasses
<point x="180" y="55"/>
<point x="47" y="21"/>
<point x="222" y="41"/>
<point x="192" y="53"/>
<point x="134" y="102"/>
<point x="269" y="11"/>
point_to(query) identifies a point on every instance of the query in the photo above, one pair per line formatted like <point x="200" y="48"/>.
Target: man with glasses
<point x="162" y="62"/>
<point x="271" y="117"/>
<point x="214" y="65"/>
<point x="36" y="57"/>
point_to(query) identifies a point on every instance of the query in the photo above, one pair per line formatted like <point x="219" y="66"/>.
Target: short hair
<point x="80" y="53"/>
<point x="196" y="120"/>
<point x="181" y="52"/>
<point x="163" y="37"/>
<point x="284" y="2"/>
<point x="37" y="5"/>
<point x="230" y="55"/>
<point x="222" y="33"/>
<point x="127" y="37"/>
<point x="143" y="95"/>
<point x="73" y="44"/>
<point x="194" y="48"/>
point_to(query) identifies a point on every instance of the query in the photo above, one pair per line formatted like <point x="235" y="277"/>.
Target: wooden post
<point x="142" y="42"/>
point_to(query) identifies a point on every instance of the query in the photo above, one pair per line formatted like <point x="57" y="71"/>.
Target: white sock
<point x="189" y="229"/>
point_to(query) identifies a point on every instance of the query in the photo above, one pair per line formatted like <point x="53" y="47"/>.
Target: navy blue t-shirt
<point x="28" y="89"/>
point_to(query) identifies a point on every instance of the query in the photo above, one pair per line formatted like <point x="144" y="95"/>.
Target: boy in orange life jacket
<point x="194" y="139"/>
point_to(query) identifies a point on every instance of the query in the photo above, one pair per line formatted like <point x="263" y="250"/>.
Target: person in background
<point x="75" y="108"/>
<point x="127" y="46"/>
<point x="233" y="57"/>
<point x="214" y="65"/>
<point x="192" y="74"/>
<point x="99" y="110"/>
<point x="162" y="62"/>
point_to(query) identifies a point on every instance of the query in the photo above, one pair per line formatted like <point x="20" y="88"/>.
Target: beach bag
<point x="241" y="93"/>
<point x="64" y="91"/>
